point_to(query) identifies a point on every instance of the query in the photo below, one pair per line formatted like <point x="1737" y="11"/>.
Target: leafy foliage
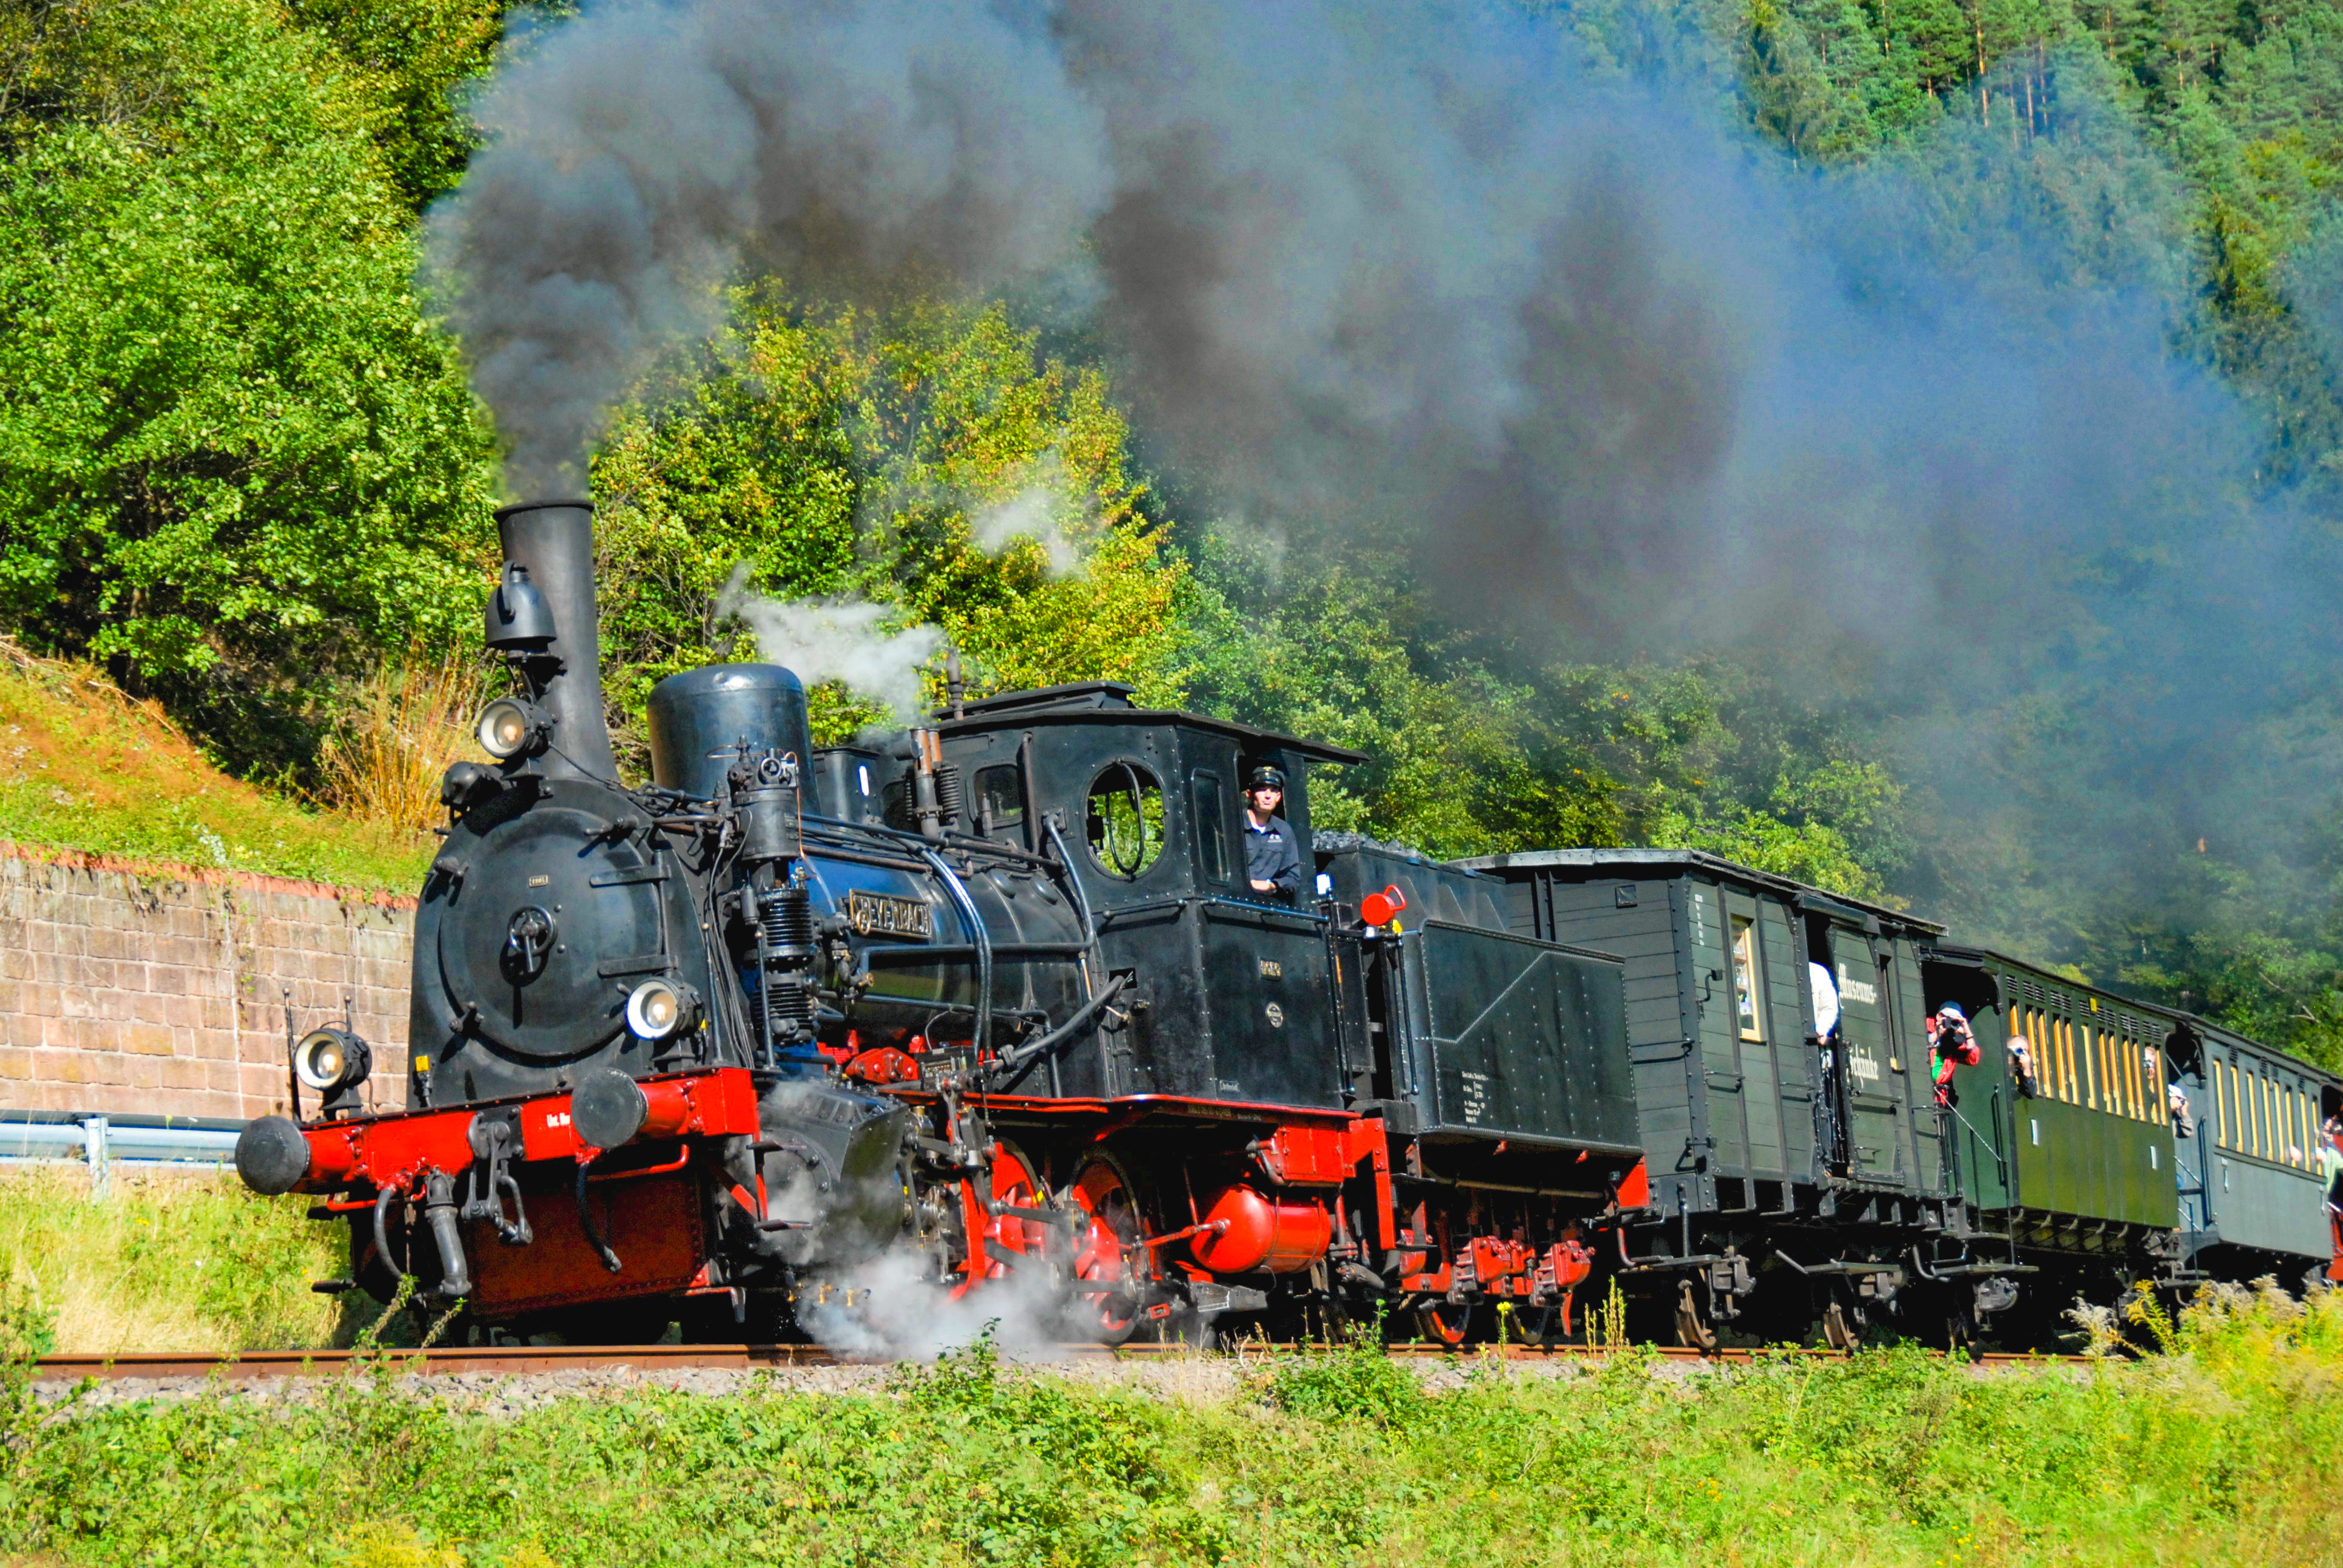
<point x="232" y="455"/>
<point x="820" y="452"/>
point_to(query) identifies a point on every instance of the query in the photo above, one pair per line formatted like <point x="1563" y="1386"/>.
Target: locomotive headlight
<point x="331" y="1059"/>
<point x="660" y="1008"/>
<point x="510" y="728"/>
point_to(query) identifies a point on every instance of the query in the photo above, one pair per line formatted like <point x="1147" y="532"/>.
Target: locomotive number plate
<point x="885" y="915"/>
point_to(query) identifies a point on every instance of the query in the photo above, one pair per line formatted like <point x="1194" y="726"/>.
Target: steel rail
<point x="509" y="1360"/>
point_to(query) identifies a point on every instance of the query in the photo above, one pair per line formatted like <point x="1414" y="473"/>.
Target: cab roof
<point x="1108" y="702"/>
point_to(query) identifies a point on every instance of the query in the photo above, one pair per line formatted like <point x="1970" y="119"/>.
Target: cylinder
<point x="555" y="540"/>
<point x="698" y="720"/>
<point x="1247" y="1231"/>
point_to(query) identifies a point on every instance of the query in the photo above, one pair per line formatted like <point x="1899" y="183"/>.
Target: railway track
<point x="507" y="1360"/>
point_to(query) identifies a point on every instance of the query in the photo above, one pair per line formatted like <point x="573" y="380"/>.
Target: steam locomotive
<point x="991" y="1010"/>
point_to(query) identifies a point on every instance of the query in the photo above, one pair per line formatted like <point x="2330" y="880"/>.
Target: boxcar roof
<point x="1677" y="862"/>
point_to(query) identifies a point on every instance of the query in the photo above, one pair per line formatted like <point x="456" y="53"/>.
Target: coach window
<point x="1745" y="977"/>
<point x="2130" y="1049"/>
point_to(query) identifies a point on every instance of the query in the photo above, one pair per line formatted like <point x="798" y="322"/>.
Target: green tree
<point x="234" y="456"/>
<point x="833" y="452"/>
<point x="410" y="59"/>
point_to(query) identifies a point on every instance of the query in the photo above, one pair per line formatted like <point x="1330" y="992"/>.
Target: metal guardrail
<point x="103" y="1140"/>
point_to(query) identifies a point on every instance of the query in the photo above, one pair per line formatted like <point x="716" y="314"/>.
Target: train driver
<point x="1273" y="861"/>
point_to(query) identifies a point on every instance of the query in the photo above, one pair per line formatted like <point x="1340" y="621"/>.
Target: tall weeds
<point x="409" y="720"/>
<point x="169" y="1262"/>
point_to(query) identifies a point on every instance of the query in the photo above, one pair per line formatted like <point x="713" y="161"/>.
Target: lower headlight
<point x="660" y="1008"/>
<point x="331" y="1059"/>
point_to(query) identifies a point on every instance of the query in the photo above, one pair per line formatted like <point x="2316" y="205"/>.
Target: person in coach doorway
<point x="1272" y="860"/>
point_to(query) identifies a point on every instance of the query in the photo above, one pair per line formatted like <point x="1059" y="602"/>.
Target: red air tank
<point x="1246" y="1231"/>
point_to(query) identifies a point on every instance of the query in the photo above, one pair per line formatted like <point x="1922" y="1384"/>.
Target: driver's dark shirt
<point x="1271" y="856"/>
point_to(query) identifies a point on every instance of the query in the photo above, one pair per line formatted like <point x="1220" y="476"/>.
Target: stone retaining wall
<point x="130" y="985"/>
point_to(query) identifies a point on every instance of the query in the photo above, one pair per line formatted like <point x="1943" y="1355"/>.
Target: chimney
<point x="553" y="541"/>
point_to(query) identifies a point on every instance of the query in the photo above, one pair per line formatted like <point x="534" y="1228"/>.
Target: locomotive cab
<point x="1230" y="990"/>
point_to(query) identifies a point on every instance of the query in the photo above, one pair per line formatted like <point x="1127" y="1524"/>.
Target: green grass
<point x="2227" y="1450"/>
<point x="83" y="766"/>
<point x="169" y="1263"/>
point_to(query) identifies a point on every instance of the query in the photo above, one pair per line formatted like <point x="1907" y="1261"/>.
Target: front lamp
<point x="510" y="728"/>
<point x="332" y="1059"/>
<point x="658" y="1007"/>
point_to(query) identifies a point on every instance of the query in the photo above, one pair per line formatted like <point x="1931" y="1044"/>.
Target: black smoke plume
<point x="1631" y="381"/>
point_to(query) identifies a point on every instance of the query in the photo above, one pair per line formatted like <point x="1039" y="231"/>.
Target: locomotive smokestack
<point x="554" y="542"/>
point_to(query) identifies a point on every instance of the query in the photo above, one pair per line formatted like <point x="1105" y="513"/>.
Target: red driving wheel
<point x="993" y="1237"/>
<point x="1106" y="1250"/>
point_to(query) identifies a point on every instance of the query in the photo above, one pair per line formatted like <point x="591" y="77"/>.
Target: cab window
<point x="1212" y="818"/>
<point x="999" y="797"/>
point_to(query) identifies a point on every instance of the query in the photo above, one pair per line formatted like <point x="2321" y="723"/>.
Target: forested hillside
<point x="241" y="468"/>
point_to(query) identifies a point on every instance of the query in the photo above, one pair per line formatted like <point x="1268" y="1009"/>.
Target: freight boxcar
<point x="1797" y="1173"/>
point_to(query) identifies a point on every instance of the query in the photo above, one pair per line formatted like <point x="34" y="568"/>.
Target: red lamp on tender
<point x="1382" y="909"/>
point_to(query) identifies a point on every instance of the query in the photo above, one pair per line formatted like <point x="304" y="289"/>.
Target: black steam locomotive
<point x="994" y="1008"/>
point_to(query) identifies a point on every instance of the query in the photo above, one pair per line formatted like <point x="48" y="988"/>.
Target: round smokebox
<point x="698" y="718"/>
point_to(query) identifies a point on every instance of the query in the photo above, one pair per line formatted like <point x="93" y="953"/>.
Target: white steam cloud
<point x="1036" y="511"/>
<point x="842" y="639"/>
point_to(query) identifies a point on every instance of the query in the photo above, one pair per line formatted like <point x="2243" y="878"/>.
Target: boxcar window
<point x="999" y="797"/>
<point x="1211" y="825"/>
<point x="1744" y="978"/>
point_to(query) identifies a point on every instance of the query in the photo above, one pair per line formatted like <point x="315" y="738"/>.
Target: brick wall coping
<point x="254" y="882"/>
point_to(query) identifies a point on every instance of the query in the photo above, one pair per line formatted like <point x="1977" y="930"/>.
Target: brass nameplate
<point x="885" y="915"/>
